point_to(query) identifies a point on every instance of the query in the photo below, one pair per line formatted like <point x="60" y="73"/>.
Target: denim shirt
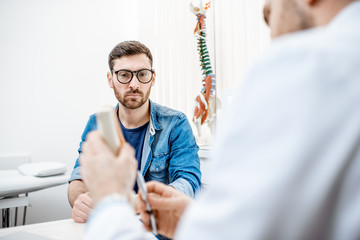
<point x="170" y="152"/>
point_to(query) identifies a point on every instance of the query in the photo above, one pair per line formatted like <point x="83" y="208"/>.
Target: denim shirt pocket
<point x="158" y="169"/>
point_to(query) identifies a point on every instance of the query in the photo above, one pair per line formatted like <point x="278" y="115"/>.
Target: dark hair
<point x="128" y="48"/>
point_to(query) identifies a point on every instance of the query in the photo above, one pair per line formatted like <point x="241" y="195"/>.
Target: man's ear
<point x="154" y="78"/>
<point x="109" y="79"/>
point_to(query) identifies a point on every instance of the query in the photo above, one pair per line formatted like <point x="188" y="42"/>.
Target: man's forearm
<point x="76" y="188"/>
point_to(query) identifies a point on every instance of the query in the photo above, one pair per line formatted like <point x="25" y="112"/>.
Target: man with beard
<point x="287" y="158"/>
<point x="164" y="144"/>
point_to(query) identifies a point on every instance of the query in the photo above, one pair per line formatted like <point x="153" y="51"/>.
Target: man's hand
<point x="103" y="172"/>
<point x="82" y="208"/>
<point x="168" y="206"/>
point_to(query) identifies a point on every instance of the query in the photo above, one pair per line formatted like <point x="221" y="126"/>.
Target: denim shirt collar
<point x="154" y="123"/>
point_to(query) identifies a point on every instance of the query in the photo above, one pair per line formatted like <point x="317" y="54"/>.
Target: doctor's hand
<point x="168" y="206"/>
<point x="103" y="172"/>
<point x="82" y="208"/>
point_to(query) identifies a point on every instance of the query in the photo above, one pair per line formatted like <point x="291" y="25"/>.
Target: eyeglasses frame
<point x="132" y="75"/>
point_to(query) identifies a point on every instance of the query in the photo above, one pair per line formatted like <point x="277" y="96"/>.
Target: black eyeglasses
<point x="125" y="76"/>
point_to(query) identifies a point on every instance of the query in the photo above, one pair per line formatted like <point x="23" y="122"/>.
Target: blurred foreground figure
<point x="287" y="158"/>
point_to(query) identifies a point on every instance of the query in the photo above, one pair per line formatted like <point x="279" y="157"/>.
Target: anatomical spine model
<point x="205" y="104"/>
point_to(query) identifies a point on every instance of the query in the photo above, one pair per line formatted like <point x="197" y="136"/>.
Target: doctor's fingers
<point x="86" y="154"/>
<point x="145" y="219"/>
<point x="95" y="144"/>
<point x="87" y="148"/>
<point x="160" y="189"/>
<point x="162" y="203"/>
<point x="139" y="204"/>
<point x="126" y="152"/>
<point x="92" y="157"/>
<point x="127" y="157"/>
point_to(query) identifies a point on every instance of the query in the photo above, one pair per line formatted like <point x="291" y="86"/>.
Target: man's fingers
<point x="84" y="199"/>
<point x="81" y="210"/>
<point x="87" y="200"/>
<point x="84" y="203"/>
<point x="78" y="214"/>
<point x="85" y="208"/>
<point x="78" y="219"/>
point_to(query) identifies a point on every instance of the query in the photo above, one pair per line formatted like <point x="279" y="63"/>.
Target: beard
<point x="290" y="17"/>
<point x="130" y="102"/>
<point x="305" y="20"/>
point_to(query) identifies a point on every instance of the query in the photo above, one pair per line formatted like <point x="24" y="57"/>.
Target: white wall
<point x="53" y="58"/>
<point x="53" y="76"/>
<point x="241" y="36"/>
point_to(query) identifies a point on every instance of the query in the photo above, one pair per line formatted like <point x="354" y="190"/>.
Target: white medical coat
<point x="287" y="159"/>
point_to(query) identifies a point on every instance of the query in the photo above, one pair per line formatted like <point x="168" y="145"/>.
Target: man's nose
<point x="134" y="83"/>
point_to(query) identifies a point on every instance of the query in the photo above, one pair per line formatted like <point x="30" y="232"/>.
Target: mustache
<point x="136" y="91"/>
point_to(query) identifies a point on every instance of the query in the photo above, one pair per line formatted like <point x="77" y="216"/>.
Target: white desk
<point x="61" y="230"/>
<point x="12" y="184"/>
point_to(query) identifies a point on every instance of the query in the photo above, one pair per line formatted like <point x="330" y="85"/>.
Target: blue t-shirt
<point x="135" y="137"/>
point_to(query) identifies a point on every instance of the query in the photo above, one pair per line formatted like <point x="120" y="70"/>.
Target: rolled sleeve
<point x="75" y="175"/>
<point x="183" y="186"/>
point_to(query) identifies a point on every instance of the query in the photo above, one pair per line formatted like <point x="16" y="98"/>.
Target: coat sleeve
<point x="115" y="219"/>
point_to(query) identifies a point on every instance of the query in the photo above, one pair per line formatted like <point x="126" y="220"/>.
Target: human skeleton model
<point x="205" y="107"/>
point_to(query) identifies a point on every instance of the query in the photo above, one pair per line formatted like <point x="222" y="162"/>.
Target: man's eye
<point x="124" y="74"/>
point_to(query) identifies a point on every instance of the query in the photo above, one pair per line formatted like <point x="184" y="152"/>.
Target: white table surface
<point x="58" y="230"/>
<point x="12" y="182"/>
